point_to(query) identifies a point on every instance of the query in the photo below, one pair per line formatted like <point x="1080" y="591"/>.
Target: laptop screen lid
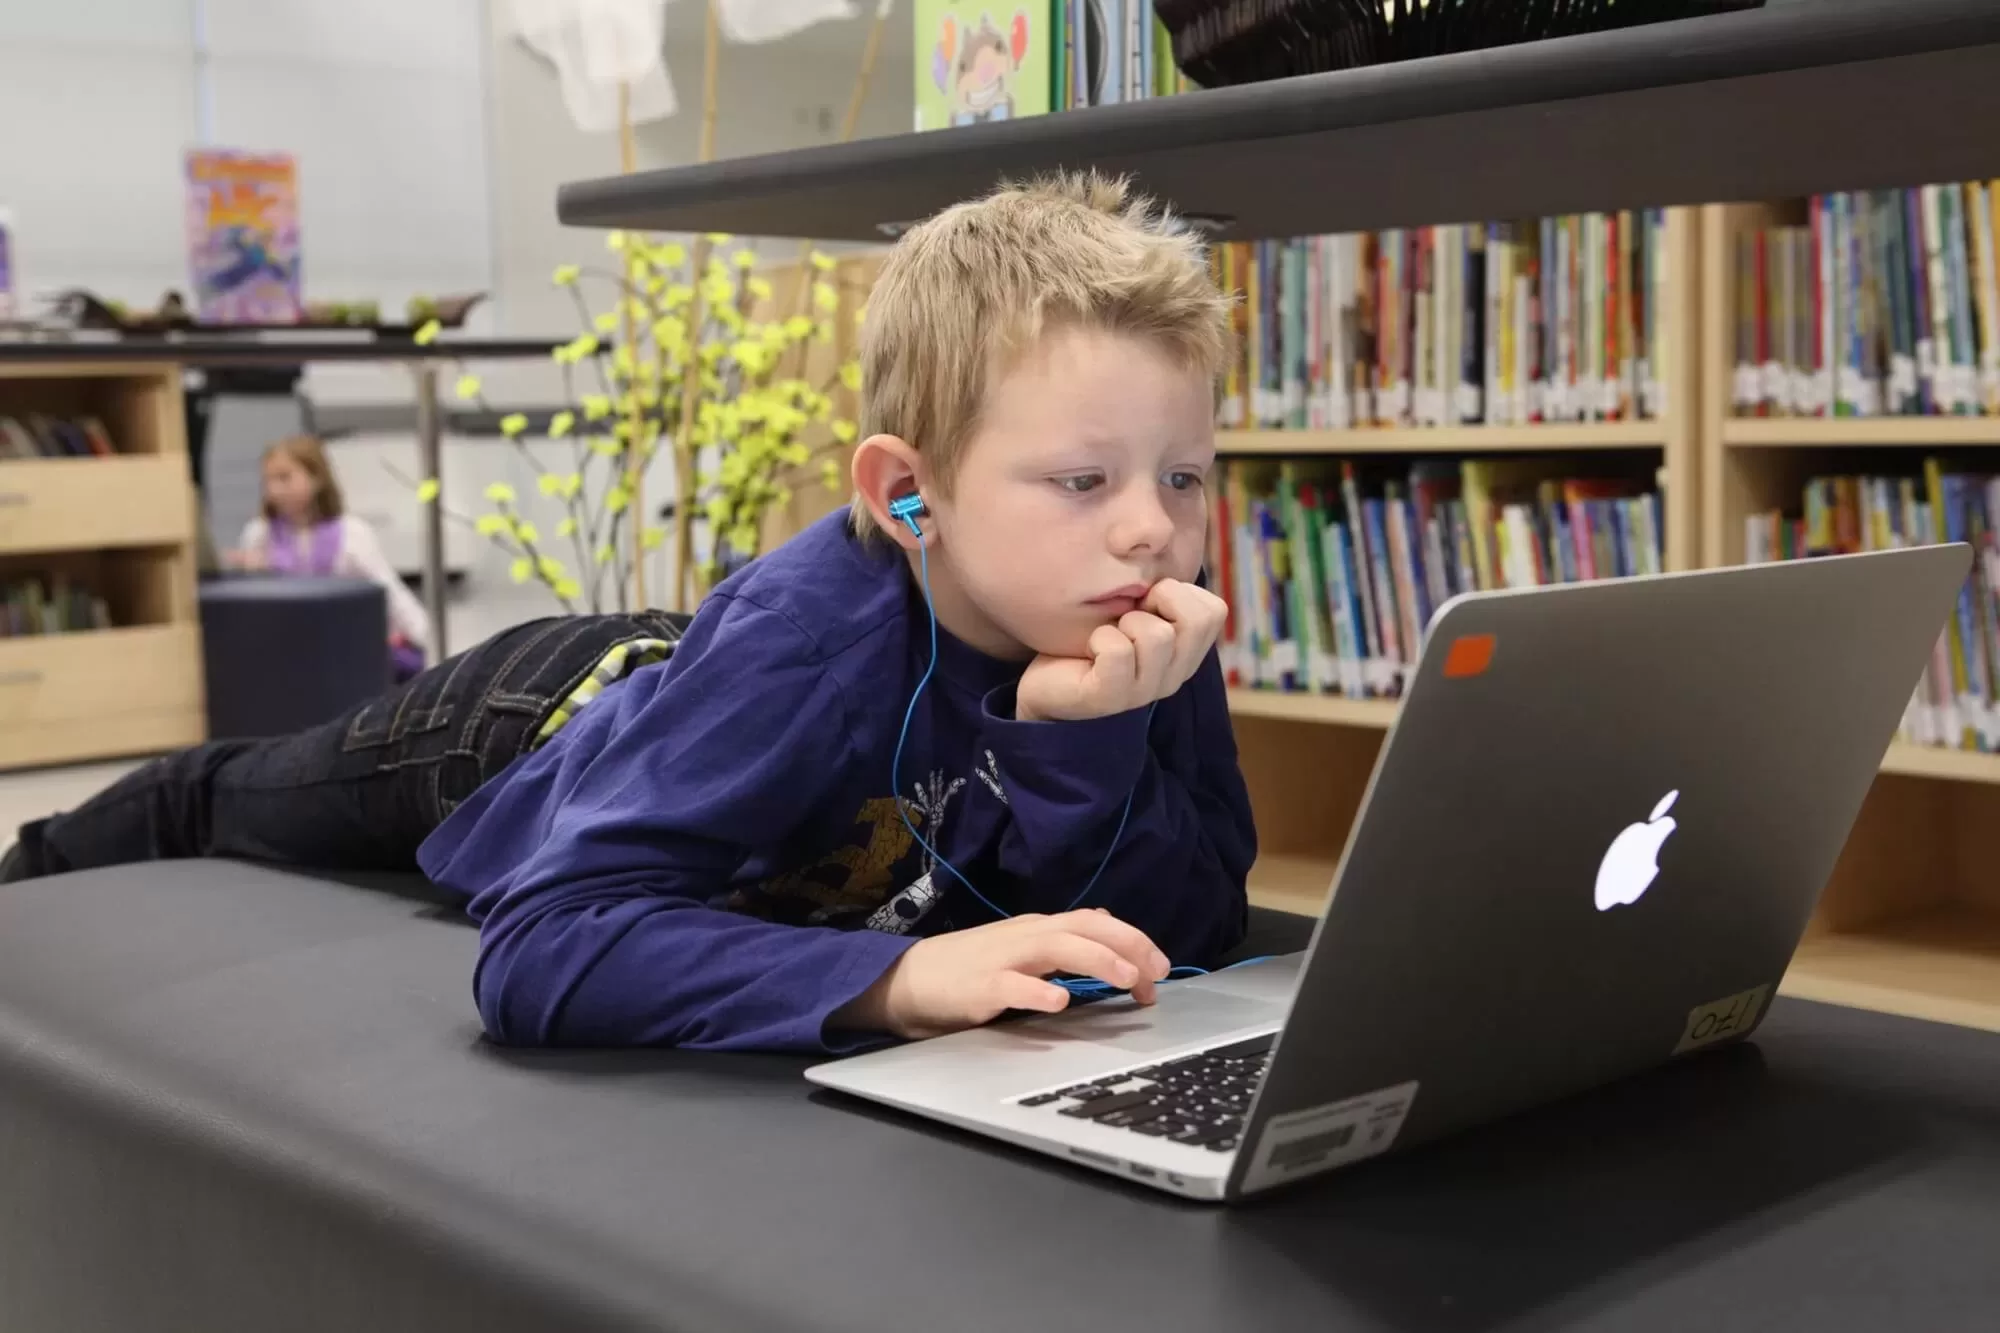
<point x="1591" y="843"/>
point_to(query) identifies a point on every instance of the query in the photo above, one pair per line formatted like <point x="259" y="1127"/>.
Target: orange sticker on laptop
<point x="1469" y="655"/>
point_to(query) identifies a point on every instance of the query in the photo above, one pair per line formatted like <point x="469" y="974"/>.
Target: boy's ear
<point x="885" y="467"/>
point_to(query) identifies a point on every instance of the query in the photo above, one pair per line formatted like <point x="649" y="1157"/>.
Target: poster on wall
<point x="243" y="236"/>
<point x="981" y="60"/>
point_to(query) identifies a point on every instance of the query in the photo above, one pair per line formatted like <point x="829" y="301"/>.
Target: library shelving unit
<point x="1910" y="921"/>
<point x="1302" y="824"/>
<point x="122" y="527"/>
<point x="1783" y="100"/>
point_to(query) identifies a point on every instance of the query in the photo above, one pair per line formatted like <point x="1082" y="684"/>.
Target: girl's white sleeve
<point x="256" y="536"/>
<point x="362" y="554"/>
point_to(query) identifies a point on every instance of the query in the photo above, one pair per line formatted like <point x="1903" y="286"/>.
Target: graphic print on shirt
<point x="990" y="775"/>
<point x="901" y="913"/>
<point x="853" y="878"/>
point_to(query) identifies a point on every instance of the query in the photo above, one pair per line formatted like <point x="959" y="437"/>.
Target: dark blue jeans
<point x="359" y="792"/>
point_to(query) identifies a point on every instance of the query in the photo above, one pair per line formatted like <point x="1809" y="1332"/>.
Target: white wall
<point x="430" y="144"/>
<point x="98" y="101"/>
<point x="787" y="94"/>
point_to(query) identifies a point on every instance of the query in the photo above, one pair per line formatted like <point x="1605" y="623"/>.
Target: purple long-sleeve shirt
<point x="709" y="856"/>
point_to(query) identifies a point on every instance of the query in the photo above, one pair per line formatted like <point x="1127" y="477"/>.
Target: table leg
<point x="430" y="454"/>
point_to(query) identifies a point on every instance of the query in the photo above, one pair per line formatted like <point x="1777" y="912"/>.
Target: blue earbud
<point x="908" y="509"/>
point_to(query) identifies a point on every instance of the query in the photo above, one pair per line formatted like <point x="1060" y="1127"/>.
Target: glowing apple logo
<point x="1632" y="860"/>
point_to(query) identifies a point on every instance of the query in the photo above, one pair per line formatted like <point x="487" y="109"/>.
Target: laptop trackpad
<point x="1193" y="1016"/>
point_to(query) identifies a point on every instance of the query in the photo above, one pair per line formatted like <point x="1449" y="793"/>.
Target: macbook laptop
<point x="1590" y="845"/>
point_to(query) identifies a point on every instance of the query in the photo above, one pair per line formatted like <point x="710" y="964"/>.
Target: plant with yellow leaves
<point x="683" y="360"/>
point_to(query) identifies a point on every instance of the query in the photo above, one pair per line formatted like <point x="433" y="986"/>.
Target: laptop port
<point x="1100" y="1158"/>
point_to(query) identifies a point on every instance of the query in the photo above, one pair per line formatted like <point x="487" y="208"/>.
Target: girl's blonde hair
<point x="308" y="454"/>
<point x="966" y="293"/>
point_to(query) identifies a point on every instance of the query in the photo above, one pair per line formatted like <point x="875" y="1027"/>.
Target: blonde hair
<point x="965" y="294"/>
<point x="310" y="455"/>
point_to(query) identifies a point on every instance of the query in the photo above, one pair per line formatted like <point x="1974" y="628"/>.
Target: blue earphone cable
<point x="907" y="508"/>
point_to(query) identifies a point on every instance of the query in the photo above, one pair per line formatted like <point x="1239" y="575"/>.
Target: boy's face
<point x="1085" y="484"/>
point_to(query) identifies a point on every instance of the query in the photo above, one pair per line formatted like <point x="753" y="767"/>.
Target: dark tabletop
<point x="259" y="1100"/>
<point x="215" y="350"/>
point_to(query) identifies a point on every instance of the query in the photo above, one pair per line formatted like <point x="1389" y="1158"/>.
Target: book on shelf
<point x="1504" y="323"/>
<point x="979" y="61"/>
<point x="49" y="605"/>
<point x="34" y="435"/>
<point x="1333" y="569"/>
<point x="1957" y="704"/>
<point x="1882" y="303"/>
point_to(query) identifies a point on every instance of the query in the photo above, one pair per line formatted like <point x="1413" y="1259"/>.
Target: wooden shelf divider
<point x="1553" y="436"/>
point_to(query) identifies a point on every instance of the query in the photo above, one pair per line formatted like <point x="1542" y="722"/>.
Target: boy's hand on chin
<point x="1147" y="655"/>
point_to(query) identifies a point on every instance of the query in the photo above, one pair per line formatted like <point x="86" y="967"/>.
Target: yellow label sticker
<point x="1722" y="1019"/>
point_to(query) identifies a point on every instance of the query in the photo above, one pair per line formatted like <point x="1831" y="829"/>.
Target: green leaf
<point x="427" y="491"/>
<point x="566" y="528"/>
<point x="492" y="525"/>
<point x="468" y="386"/>
<point x="844" y="431"/>
<point x="829" y="472"/>
<point x="500" y="493"/>
<point x="605" y="554"/>
<point x="514" y="423"/>
<point x="824" y="263"/>
<point x="527" y="534"/>
<point x="652" y="538"/>
<point x="427" y="333"/>
<point x="568" y="589"/>
<point x="566" y="274"/>
<point x="560" y="424"/>
<point x="522" y="569"/>
<point x="549" y="484"/>
<point x="596" y="407"/>
<point x="606" y="322"/>
<point x="850" y="375"/>
<point x="550" y="568"/>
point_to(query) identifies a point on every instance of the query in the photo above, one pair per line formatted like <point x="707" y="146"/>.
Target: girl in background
<point x="305" y="531"/>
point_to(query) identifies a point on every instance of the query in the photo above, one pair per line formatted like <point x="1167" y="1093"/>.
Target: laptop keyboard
<point x="1199" y="1099"/>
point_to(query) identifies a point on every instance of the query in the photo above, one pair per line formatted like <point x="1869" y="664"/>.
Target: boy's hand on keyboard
<point x="1147" y="655"/>
<point x="950" y="982"/>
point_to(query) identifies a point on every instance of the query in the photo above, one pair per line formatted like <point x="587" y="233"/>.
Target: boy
<point x="708" y="851"/>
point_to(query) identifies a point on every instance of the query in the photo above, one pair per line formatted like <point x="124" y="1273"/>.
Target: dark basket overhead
<point x="1221" y="42"/>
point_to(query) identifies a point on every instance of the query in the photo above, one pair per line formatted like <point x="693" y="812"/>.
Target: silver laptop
<point x="1591" y="843"/>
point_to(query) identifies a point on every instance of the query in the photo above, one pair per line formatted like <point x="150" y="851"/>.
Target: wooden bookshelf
<point x="1287" y="706"/>
<point x="122" y="527"/>
<point x="1910" y="922"/>
<point x="1584" y="436"/>
<point x="1858" y="432"/>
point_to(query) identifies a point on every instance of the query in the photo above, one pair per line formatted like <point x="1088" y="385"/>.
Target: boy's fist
<point x="1147" y="655"/>
<point x="969" y="977"/>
